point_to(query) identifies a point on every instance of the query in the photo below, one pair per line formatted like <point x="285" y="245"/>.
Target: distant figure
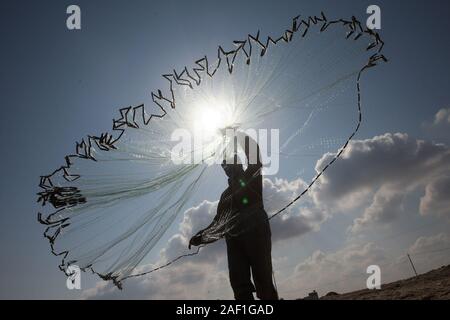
<point x="312" y="296"/>
<point x="243" y="220"/>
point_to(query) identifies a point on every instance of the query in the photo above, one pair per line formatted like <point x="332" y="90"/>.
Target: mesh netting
<point x="119" y="198"/>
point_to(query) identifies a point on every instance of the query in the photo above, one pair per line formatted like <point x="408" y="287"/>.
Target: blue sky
<point x="57" y="86"/>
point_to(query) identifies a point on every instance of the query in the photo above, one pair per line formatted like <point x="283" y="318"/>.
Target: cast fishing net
<point x="117" y="200"/>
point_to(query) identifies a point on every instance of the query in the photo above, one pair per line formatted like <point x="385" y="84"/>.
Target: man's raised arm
<point x="252" y="153"/>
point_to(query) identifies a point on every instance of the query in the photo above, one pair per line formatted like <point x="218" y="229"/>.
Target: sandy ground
<point x="434" y="285"/>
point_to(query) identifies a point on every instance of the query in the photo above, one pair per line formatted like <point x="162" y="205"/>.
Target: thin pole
<point x="412" y="264"/>
<point x="235" y="142"/>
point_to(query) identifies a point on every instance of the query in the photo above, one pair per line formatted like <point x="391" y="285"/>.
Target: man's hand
<point x="195" y="240"/>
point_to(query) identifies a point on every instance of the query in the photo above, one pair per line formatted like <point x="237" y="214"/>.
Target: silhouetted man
<point x="244" y="222"/>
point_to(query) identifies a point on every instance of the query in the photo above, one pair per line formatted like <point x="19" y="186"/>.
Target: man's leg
<point x="239" y="270"/>
<point x="260" y="249"/>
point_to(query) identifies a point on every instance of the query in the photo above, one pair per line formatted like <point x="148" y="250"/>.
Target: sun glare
<point x="210" y="120"/>
<point x="211" y="117"/>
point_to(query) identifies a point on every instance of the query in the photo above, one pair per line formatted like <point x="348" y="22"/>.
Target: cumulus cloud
<point x="387" y="203"/>
<point x="182" y="281"/>
<point x="431" y="243"/>
<point x="374" y="176"/>
<point x="340" y="271"/>
<point x="437" y="197"/>
<point x="346" y="269"/>
<point x="376" y="173"/>
<point x="297" y="221"/>
<point x="427" y="253"/>
<point x="194" y="278"/>
<point x="195" y="219"/>
<point x="189" y="278"/>
<point x="199" y="277"/>
<point x="439" y="128"/>
<point x="442" y="117"/>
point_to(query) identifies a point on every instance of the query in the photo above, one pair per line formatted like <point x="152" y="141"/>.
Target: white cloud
<point x="205" y="276"/>
<point x="437" y="197"/>
<point x="387" y="203"/>
<point x="374" y="175"/>
<point x="345" y="269"/>
<point x="296" y="221"/>
<point x="427" y="252"/>
<point x="439" y="128"/>
<point x="195" y="219"/>
<point x="340" y="271"/>
<point x="442" y="117"/>
<point x="187" y="280"/>
<point x="431" y="243"/>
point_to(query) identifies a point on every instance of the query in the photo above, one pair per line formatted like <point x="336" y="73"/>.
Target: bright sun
<point x="211" y="120"/>
<point x="211" y="117"/>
